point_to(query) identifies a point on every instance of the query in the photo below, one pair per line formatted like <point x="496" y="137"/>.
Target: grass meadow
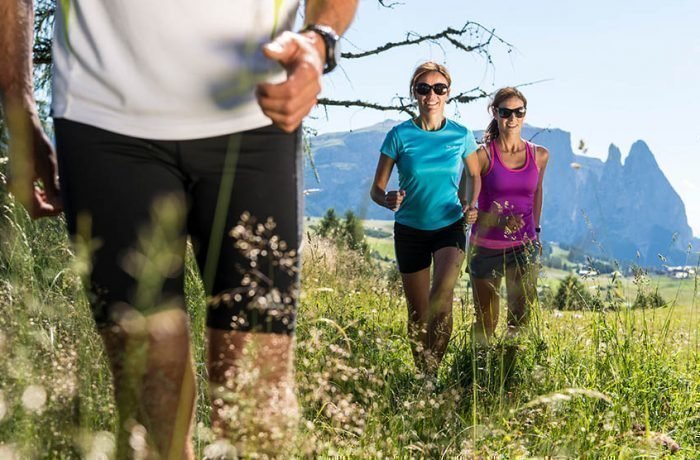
<point x="621" y="384"/>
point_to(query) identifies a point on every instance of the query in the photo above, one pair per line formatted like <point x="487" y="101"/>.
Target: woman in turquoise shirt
<point x="429" y="152"/>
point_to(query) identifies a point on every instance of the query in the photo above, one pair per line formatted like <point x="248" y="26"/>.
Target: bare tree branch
<point x="530" y="83"/>
<point x="452" y="35"/>
<point x="387" y="4"/>
<point x="457" y="37"/>
<point x="466" y="97"/>
<point x="367" y="105"/>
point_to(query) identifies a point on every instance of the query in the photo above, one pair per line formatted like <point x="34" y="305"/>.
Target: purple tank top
<point x="507" y="192"/>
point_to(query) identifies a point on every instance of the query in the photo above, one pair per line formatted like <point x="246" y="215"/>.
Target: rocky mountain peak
<point x="641" y="156"/>
<point x="614" y="155"/>
<point x="601" y="207"/>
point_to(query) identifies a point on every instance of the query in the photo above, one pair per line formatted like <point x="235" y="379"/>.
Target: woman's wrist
<point x="379" y="197"/>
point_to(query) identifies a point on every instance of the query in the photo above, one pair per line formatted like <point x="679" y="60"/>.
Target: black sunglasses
<point x="506" y="113"/>
<point x="424" y="89"/>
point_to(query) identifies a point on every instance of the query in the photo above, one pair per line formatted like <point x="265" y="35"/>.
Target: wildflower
<point x="102" y="446"/>
<point x="8" y="452"/>
<point x="34" y="398"/>
<point x="137" y="440"/>
<point x="221" y="449"/>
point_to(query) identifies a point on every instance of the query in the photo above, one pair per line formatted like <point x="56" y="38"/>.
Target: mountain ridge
<point x="627" y="210"/>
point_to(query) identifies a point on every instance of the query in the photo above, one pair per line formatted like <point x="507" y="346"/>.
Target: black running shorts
<point x="492" y="263"/>
<point x="415" y="248"/>
<point x="136" y="201"/>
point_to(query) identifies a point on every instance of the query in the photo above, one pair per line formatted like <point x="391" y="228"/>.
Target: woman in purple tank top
<point x="504" y="241"/>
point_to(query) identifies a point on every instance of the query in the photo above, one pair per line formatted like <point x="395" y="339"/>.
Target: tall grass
<point x="584" y="384"/>
<point x="48" y="343"/>
<point x="622" y="383"/>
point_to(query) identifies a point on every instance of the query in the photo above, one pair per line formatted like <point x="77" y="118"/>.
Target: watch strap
<point x="330" y="39"/>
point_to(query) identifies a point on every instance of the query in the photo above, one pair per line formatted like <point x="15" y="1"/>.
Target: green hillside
<point x="622" y="384"/>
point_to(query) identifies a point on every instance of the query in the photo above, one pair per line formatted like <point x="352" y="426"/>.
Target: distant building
<point x="681" y="271"/>
<point x="586" y="272"/>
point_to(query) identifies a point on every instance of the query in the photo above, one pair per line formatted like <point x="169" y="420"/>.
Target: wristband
<point x="538" y="229"/>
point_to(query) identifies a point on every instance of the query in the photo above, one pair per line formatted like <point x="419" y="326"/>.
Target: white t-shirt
<point x="165" y="69"/>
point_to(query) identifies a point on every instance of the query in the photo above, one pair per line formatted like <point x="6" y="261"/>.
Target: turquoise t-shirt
<point x="429" y="164"/>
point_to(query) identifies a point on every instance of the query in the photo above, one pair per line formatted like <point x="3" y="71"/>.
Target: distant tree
<point x="330" y="224"/>
<point x="573" y="295"/>
<point x="348" y="232"/>
<point x="602" y="266"/>
<point x="354" y="231"/>
<point x="648" y="300"/>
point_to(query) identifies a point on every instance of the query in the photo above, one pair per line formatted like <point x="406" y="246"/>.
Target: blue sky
<point x="614" y="71"/>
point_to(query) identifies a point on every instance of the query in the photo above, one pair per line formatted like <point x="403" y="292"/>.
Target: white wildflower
<point x="221" y="449"/>
<point x="137" y="440"/>
<point x="34" y="398"/>
<point x="102" y="446"/>
<point x="8" y="452"/>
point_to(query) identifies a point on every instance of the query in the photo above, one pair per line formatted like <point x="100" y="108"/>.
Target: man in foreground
<point x="176" y="120"/>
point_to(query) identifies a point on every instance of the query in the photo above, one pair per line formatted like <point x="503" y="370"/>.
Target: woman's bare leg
<point x="521" y="287"/>
<point x="416" y="287"/>
<point x="447" y="264"/>
<point x="486" y="307"/>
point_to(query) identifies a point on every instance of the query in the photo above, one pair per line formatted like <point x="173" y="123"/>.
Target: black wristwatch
<point x="330" y="38"/>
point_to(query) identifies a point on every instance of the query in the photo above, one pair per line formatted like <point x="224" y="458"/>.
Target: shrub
<point x="346" y="233"/>
<point x="573" y="295"/>
<point x="648" y="300"/>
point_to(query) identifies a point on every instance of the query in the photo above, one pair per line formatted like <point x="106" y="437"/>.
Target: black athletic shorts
<point x="414" y="248"/>
<point x="492" y="263"/>
<point x="238" y="198"/>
